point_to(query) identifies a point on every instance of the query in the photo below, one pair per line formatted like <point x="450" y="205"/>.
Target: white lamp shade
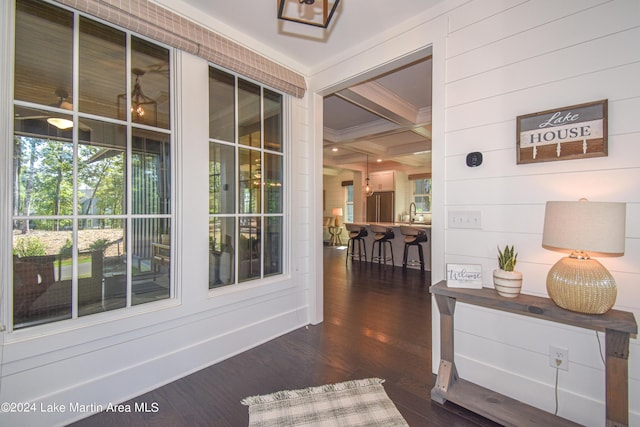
<point x="586" y="226"/>
<point x="336" y="211"/>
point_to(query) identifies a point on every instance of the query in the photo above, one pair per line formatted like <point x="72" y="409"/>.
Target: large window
<point x="246" y="160"/>
<point x="91" y="170"/>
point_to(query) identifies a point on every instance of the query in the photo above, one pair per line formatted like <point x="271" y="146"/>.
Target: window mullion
<point x="129" y="168"/>
<point x="75" y="259"/>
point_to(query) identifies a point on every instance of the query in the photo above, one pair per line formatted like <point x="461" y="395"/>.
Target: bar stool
<point x="382" y="236"/>
<point x="413" y="237"/>
<point x="357" y="234"/>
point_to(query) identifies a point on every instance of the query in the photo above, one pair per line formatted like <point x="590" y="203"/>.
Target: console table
<point x="617" y="326"/>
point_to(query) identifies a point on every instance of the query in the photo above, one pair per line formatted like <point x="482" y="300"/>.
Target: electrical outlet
<point x="559" y="358"/>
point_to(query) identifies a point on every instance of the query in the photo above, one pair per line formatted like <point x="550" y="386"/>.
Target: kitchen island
<point x="398" y="244"/>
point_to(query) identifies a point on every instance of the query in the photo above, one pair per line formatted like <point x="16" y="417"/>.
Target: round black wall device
<point x="474" y="159"/>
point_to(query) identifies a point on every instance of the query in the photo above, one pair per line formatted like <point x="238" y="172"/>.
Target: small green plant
<point x="29" y="246"/>
<point x="99" y="245"/>
<point x="66" y="249"/>
<point x="507" y="258"/>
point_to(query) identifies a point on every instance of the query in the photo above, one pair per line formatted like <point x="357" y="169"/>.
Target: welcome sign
<point x="577" y="131"/>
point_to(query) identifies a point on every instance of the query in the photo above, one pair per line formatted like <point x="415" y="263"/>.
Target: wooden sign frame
<point x="573" y="132"/>
<point x="464" y="276"/>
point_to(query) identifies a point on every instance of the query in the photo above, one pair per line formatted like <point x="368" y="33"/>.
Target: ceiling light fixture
<point x="310" y="12"/>
<point x="139" y="101"/>
<point x="60" y="122"/>
<point x="368" y="190"/>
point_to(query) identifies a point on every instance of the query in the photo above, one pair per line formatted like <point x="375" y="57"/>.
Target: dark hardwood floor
<point x="377" y="323"/>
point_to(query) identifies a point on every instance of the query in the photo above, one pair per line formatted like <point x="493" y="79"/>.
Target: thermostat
<point x="474" y="159"/>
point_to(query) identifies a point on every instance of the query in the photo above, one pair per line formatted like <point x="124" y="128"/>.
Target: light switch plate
<point x="465" y="219"/>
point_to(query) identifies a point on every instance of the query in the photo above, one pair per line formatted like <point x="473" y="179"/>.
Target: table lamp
<point x="337" y="212"/>
<point x="578" y="282"/>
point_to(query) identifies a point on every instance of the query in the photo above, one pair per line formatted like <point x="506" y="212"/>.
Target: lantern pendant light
<point x="368" y="190"/>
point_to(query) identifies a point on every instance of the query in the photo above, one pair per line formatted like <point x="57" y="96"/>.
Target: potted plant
<point x="507" y="282"/>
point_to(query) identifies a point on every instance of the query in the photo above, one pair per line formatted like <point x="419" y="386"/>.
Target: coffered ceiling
<point x="387" y="119"/>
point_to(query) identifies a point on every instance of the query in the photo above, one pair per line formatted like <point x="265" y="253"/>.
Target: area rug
<point x="352" y="403"/>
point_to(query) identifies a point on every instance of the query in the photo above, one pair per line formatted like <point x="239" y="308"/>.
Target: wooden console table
<point x="617" y="326"/>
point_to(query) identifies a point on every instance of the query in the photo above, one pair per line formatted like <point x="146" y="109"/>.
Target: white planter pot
<point x="507" y="283"/>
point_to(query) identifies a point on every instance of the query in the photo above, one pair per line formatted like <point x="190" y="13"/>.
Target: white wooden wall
<point x="508" y="58"/>
<point x="492" y="61"/>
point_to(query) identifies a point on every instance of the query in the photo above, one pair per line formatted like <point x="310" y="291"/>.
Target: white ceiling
<point x="387" y="118"/>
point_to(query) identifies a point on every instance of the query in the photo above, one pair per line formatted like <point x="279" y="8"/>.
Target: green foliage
<point x="507" y="258"/>
<point x="66" y="249"/>
<point x="99" y="245"/>
<point x="29" y="246"/>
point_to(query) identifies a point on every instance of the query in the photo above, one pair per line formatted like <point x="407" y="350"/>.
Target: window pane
<point x="423" y="204"/>
<point x="222" y="105"/>
<point x="221" y="251"/>
<point x="151" y="172"/>
<point x="273" y="246"/>
<point x="222" y="176"/>
<point x="248" y="113"/>
<point x="44" y="58"/>
<point x="150" y="96"/>
<point x="273" y="183"/>
<point x="102" y="268"/>
<point x="272" y="121"/>
<point x="102" y="68"/>
<point x="249" y="248"/>
<point x="422" y="186"/>
<point x="101" y="169"/>
<point x="250" y="179"/>
<point x="151" y="257"/>
<point x="42" y="271"/>
<point x="43" y="169"/>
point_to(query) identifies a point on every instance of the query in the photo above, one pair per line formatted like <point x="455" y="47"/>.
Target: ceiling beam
<point x="377" y="99"/>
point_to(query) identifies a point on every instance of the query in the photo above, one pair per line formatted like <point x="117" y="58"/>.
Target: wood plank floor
<point x="377" y="324"/>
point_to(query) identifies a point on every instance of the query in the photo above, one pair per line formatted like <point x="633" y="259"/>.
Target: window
<point x="349" y="203"/>
<point x="422" y="194"/>
<point x="92" y="167"/>
<point x="246" y="161"/>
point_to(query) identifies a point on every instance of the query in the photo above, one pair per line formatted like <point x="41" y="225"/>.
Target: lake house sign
<point x="573" y="132"/>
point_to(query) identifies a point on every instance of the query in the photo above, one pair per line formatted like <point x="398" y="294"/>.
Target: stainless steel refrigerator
<point x="380" y="207"/>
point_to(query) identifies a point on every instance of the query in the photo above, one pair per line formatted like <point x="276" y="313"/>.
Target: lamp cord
<point x="600" y="349"/>
<point x="555" y="412"/>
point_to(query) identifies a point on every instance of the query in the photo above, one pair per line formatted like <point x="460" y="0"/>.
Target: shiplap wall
<point x="508" y="58"/>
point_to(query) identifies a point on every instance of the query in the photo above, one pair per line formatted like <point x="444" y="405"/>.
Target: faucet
<point x="411" y="216"/>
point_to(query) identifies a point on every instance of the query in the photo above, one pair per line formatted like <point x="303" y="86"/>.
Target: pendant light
<point x="368" y="190"/>
<point x="310" y="12"/>
<point x="143" y="109"/>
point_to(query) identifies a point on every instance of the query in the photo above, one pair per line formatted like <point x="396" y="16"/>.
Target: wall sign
<point x="574" y="132"/>
<point x="464" y="276"/>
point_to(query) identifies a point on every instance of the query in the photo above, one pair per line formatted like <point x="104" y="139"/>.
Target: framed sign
<point x="464" y="276"/>
<point x="574" y="132"/>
